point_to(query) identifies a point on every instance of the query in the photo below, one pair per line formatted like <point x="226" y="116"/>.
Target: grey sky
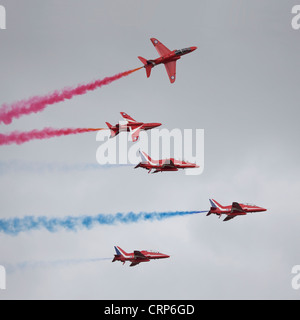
<point x="241" y="86"/>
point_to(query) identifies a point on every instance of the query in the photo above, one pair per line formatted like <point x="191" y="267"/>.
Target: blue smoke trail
<point x="10" y="268"/>
<point x="15" y="166"/>
<point x="14" y="226"/>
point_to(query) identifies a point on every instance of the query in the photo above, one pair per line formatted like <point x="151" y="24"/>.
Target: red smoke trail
<point x="39" y="103"/>
<point x="47" y="133"/>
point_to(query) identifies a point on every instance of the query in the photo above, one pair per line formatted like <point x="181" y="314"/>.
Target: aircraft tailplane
<point x="147" y="65"/>
<point x="113" y="132"/>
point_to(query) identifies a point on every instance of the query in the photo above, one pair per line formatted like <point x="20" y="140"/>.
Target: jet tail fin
<point x="215" y="204"/>
<point x="120" y="252"/>
<point x="148" y="66"/>
<point x="113" y="132"/>
<point x="145" y="157"/>
<point x="120" y="255"/>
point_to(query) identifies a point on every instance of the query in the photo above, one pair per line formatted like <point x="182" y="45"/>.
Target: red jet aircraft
<point x="137" y="256"/>
<point x="163" y="165"/>
<point x="133" y="126"/>
<point x="236" y="209"/>
<point x="167" y="57"/>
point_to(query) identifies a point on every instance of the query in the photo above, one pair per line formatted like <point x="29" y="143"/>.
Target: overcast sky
<point x="241" y="86"/>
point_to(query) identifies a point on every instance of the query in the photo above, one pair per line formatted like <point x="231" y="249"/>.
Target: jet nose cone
<point x="194" y="48"/>
<point x="260" y="209"/>
<point x="157" y="125"/>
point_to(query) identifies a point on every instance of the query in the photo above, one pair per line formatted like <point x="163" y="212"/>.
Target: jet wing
<point x="236" y="208"/>
<point x="134" y="264"/>
<point x="168" y="164"/>
<point x="127" y="117"/>
<point x="135" y="133"/>
<point x="161" y="49"/>
<point x="229" y="218"/>
<point x="139" y="255"/>
<point x="171" y="70"/>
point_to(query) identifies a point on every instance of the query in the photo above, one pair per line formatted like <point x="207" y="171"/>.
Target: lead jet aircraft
<point x="232" y="211"/>
<point x="163" y="165"/>
<point x="137" y="256"/>
<point x="167" y="57"/>
<point x="132" y="126"/>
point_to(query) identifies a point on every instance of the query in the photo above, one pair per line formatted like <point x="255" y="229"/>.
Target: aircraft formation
<point x="232" y="211"/>
<point x="169" y="59"/>
<point x="135" y="127"/>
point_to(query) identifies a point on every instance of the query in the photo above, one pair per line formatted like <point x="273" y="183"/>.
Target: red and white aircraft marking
<point x="167" y="57"/>
<point x="137" y="256"/>
<point x="132" y="126"/>
<point x="232" y="211"/>
<point x="163" y="165"/>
